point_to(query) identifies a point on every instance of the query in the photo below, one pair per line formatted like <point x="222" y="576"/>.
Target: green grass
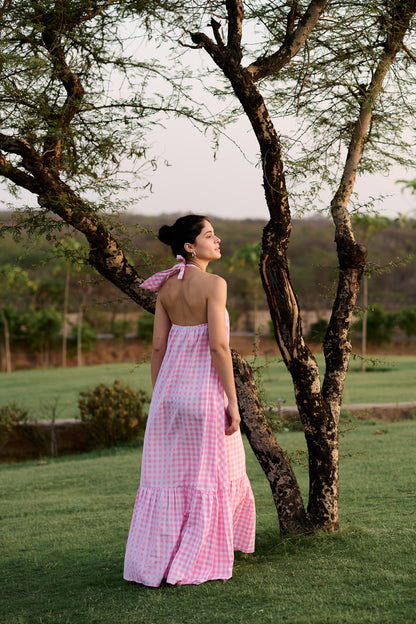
<point x="37" y="389"/>
<point x="65" y="524"/>
<point x="391" y="380"/>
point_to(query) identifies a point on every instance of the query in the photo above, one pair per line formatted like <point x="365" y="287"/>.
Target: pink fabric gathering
<point x="156" y="281"/>
<point x="194" y="506"/>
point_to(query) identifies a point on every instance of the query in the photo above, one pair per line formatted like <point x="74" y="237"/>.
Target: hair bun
<point x="165" y="234"/>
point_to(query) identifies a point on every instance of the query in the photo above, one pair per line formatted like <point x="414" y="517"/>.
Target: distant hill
<point x="312" y="255"/>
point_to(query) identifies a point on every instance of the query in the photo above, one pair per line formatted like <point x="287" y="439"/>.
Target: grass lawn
<point x="65" y="523"/>
<point x="392" y="379"/>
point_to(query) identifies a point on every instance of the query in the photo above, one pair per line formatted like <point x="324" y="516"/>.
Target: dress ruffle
<point x="178" y="529"/>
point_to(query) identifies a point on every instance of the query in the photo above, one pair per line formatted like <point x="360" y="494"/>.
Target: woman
<point x="194" y="506"/>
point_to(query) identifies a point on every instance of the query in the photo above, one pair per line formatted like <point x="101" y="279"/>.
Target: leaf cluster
<point x="47" y="48"/>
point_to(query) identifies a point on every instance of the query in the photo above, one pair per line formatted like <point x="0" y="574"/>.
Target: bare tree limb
<point x="268" y="65"/>
<point x="235" y="12"/>
<point x="351" y="255"/>
<point x="17" y="176"/>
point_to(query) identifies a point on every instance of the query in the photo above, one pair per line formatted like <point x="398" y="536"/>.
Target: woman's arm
<point x="220" y="349"/>
<point x="161" y="330"/>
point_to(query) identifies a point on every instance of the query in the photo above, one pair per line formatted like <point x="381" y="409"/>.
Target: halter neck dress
<point x="194" y="506"/>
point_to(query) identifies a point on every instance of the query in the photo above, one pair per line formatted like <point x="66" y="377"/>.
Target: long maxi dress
<point x="194" y="506"/>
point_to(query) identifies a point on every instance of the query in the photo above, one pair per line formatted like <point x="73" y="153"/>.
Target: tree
<point x="13" y="281"/>
<point x="71" y="261"/>
<point x="61" y="136"/>
<point x="368" y="226"/>
<point x="407" y="321"/>
<point x="247" y="257"/>
<point x="364" y="62"/>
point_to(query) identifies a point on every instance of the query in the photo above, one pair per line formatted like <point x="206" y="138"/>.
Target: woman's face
<point x="207" y="244"/>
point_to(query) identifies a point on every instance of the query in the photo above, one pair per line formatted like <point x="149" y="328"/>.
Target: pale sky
<point x="230" y="186"/>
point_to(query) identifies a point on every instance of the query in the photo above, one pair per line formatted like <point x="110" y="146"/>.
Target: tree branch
<point x="18" y="177"/>
<point x="58" y="124"/>
<point x="268" y="65"/>
<point x="352" y="256"/>
<point x="291" y="19"/>
<point x="235" y="12"/>
<point x="409" y="53"/>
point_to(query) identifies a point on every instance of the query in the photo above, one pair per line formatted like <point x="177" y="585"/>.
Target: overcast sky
<point x="231" y="185"/>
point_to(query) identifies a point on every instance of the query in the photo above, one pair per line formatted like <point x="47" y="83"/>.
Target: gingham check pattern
<point x="194" y="506"/>
<point x="154" y="282"/>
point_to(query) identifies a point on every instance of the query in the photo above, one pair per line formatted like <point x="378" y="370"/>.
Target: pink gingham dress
<point x="194" y="506"/>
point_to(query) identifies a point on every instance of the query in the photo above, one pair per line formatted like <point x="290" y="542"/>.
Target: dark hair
<point x="184" y="230"/>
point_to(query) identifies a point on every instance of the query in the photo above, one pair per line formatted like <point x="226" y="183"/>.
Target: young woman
<point x="194" y="506"/>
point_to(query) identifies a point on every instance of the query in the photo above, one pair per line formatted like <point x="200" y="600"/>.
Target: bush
<point x="318" y="330"/>
<point x="12" y="418"/>
<point x="113" y="414"/>
<point x="42" y="327"/>
<point x="407" y="321"/>
<point x="380" y="325"/>
<point x="145" y="326"/>
<point x="88" y="336"/>
<point x="119" y="328"/>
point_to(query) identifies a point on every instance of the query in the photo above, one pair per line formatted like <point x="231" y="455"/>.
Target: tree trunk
<point x="65" y="325"/>
<point x="79" y="334"/>
<point x="364" y="327"/>
<point x="285" y="489"/>
<point x="7" y="350"/>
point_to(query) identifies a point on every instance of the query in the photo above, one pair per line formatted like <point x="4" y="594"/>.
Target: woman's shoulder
<point x="215" y="280"/>
<point x="216" y="285"/>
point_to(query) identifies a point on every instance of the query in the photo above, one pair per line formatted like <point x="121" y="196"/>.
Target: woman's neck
<point x="199" y="265"/>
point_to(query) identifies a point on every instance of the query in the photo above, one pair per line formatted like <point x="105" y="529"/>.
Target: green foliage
<point x="12" y="417"/>
<point x="318" y="330"/>
<point x="145" y="326"/>
<point x="120" y="327"/>
<point x="88" y="336"/>
<point x="41" y="327"/>
<point x="380" y="325"/>
<point x="13" y="319"/>
<point x="407" y="321"/>
<point x="113" y="414"/>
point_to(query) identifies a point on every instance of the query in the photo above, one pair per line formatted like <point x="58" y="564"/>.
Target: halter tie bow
<point x="156" y="281"/>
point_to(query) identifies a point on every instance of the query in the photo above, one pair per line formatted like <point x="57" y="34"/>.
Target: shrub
<point x="407" y="321"/>
<point x="42" y="327"/>
<point x="88" y="336"/>
<point x="113" y="414"/>
<point x="318" y="330"/>
<point x="380" y="325"/>
<point x="119" y="328"/>
<point x="12" y="418"/>
<point x="145" y="326"/>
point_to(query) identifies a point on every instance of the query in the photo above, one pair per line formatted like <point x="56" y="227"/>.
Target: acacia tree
<point x="364" y="62"/>
<point x="62" y="135"/>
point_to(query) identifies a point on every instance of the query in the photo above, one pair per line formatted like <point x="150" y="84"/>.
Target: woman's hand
<point x="233" y="416"/>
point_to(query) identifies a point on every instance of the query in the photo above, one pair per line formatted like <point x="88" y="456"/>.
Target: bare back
<point x="186" y="301"/>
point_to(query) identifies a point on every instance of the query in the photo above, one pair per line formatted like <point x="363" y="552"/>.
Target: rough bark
<point x="284" y="309"/>
<point x="276" y="466"/>
<point x="318" y="409"/>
